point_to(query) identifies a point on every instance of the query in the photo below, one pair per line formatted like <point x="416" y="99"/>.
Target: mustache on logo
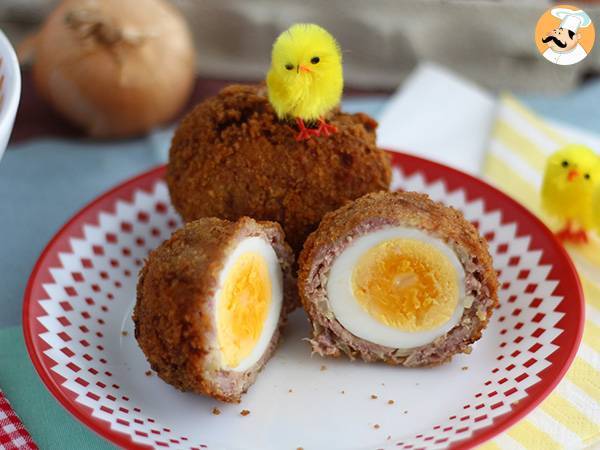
<point x="555" y="40"/>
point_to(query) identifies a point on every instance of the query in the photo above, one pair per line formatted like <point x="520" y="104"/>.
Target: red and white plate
<point x="79" y="333"/>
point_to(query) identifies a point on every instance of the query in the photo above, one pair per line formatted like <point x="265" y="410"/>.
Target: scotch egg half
<point x="396" y="277"/>
<point x="210" y="303"/>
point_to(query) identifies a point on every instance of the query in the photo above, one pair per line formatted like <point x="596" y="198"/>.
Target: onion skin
<point x="121" y="82"/>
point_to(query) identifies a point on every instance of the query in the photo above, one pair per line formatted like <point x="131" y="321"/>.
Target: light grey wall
<point x="488" y="41"/>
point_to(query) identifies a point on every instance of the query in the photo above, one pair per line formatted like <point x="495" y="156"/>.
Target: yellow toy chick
<point x="305" y="80"/>
<point x="570" y="179"/>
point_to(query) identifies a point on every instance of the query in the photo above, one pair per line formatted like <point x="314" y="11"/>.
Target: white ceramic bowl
<point x="10" y="90"/>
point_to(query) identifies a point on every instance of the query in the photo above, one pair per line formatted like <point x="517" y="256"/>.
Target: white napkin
<point x="438" y="115"/>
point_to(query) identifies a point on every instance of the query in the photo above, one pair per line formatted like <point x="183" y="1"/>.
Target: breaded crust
<point x="373" y="212"/>
<point x="174" y="312"/>
<point x="232" y="157"/>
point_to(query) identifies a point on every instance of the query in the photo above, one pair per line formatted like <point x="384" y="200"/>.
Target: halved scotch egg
<point x="396" y="277"/>
<point x="210" y="304"/>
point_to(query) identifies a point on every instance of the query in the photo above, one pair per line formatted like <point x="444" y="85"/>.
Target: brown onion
<point x="115" y="67"/>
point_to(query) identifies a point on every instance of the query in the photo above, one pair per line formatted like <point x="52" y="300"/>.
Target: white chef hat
<point x="572" y="20"/>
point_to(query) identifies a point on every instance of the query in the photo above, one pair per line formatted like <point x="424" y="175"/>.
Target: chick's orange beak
<point x="572" y="175"/>
<point x="303" y="69"/>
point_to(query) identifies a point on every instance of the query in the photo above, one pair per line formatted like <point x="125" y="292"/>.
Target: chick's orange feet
<point x="305" y="132"/>
<point x="325" y="128"/>
<point x="567" y="234"/>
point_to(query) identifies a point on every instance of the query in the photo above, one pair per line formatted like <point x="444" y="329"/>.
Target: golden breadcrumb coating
<point x="232" y="157"/>
<point x="174" y="312"/>
<point x="373" y="212"/>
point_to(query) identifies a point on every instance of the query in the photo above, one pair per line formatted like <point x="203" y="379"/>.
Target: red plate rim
<point x="572" y="305"/>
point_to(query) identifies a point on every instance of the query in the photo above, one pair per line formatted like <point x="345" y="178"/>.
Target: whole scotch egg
<point x="396" y="277"/>
<point x="232" y="156"/>
<point x="210" y="304"/>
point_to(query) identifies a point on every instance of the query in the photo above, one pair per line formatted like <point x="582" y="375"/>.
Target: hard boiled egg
<point x="397" y="287"/>
<point x="248" y="303"/>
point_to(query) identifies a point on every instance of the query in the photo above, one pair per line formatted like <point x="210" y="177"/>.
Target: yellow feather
<point x="571" y="199"/>
<point x="596" y="208"/>
<point x="314" y="91"/>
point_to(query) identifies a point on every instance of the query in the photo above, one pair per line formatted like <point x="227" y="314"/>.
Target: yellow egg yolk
<point x="243" y="307"/>
<point x="407" y="284"/>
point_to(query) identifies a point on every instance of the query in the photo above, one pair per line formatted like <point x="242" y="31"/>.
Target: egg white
<point x="358" y="321"/>
<point x="260" y="246"/>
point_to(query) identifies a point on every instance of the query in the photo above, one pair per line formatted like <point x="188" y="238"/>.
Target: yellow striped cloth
<point x="570" y="417"/>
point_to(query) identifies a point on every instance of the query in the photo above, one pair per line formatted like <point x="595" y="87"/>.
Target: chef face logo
<point x="564" y="35"/>
<point x="561" y="40"/>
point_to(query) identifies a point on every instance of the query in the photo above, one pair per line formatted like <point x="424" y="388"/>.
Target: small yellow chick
<point x="571" y="176"/>
<point x="305" y="80"/>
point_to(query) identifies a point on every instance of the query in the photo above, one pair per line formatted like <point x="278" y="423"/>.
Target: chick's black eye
<point x="565" y="163"/>
<point x="587" y="176"/>
<point x="315" y="59"/>
<point x="289" y="66"/>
